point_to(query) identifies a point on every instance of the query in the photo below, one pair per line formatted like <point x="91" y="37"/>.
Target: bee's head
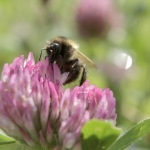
<point x="55" y="47"/>
<point x="53" y="51"/>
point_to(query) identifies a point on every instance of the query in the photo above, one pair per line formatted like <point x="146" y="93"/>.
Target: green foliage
<point x="7" y="143"/>
<point x="98" y="135"/>
<point x="132" y="135"/>
<point x="6" y="140"/>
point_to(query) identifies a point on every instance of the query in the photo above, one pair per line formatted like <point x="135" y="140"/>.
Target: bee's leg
<point x="75" y="71"/>
<point x="60" y="62"/>
<point x="74" y="62"/>
<point x="41" y="53"/>
<point x="83" y="77"/>
<point x="74" y="68"/>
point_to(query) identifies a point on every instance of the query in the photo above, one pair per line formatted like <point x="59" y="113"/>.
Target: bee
<point x="64" y="52"/>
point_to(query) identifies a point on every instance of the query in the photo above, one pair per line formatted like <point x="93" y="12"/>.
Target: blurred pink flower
<point x="96" y="17"/>
<point x="35" y="111"/>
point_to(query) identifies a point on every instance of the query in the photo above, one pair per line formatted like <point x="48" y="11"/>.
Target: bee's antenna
<point x="41" y="53"/>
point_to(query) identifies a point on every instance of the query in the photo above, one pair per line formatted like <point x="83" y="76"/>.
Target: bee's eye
<point x="55" y="46"/>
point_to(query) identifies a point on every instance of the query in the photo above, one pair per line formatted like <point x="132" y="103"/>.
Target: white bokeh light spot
<point x="123" y="60"/>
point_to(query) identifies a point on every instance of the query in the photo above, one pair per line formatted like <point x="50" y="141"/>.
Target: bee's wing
<point x="85" y="59"/>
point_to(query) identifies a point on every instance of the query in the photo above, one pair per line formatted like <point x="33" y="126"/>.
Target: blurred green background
<point x="114" y="35"/>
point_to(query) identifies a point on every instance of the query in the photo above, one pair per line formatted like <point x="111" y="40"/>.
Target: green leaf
<point x="132" y="135"/>
<point x="6" y="140"/>
<point x="98" y="134"/>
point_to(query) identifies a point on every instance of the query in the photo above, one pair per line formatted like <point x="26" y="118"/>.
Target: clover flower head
<point x="36" y="112"/>
<point x="96" y="17"/>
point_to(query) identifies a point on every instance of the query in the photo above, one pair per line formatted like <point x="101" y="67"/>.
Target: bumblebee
<point x="64" y="52"/>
